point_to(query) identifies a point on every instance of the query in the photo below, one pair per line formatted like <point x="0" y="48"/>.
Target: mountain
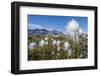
<point x="43" y="32"/>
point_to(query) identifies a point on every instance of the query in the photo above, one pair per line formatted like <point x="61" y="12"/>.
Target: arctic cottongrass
<point x="69" y="52"/>
<point x="72" y="26"/>
<point x="66" y="45"/>
<point x="53" y="52"/>
<point x="41" y="43"/>
<point x="58" y="43"/>
<point x="84" y="35"/>
<point x="54" y="42"/>
<point x="46" y="38"/>
<point x="58" y="48"/>
<point x="80" y="31"/>
<point x="32" y="45"/>
<point x="81" y="55"/>
<point x="46" y="43"/>
<point x="58" y="54"/>
<point x="52" y="39"/>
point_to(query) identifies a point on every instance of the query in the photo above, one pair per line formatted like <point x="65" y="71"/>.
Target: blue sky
<point x="56" y="22"/>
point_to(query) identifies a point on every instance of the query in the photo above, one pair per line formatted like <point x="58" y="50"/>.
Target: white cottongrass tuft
<point x="72" y="26"/>
<point x="66" y="45"/>
<point x="46" y="38"/>
<point x="54" y="42"/>
<point x="58" y="48"/>
<point x="53" y="52"/>
<point x="46" y="43"/>
<point x="58" y="54"/>
<point x="80" y="31"/>
<point x="81" y="55"/>
<point x="58" y="43"/>
<point x="52" y="39"/>
<point x="84" y="35"/>
<point x="32" y="45"/>
<point x="41" y="43"/>
<point x="69" y="52"/>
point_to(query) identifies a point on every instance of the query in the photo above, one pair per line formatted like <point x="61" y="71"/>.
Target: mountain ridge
<point x="43" y="32"/>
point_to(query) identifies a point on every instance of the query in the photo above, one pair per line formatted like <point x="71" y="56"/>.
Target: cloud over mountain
<point x="35" y="26"/>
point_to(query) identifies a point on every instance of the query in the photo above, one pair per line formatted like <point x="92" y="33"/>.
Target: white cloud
<point x="35" y="26"/>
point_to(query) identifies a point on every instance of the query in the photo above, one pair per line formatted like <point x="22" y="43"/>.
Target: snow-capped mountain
<point x="39" y="32"/>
